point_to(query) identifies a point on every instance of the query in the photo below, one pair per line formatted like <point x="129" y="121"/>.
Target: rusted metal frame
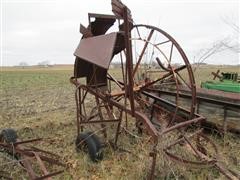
<point x="211" y="142"/>
<point x="43" y="151"/>
<point x="142" y="52"/>
<point x="167" y="102"/>
<point x="229" y="105"/>
<point x="126" y="84"/>
<point x="216" y="75"/>
<point x="85" y="32"/>
<point x="188" y="66"/>
<point x="228" y="173"/>
<point x="190" y="144"/>
<point x="48" y="175"/>
<point x="119" y="84"/>
<point x="176" y="82"/>
<point x="81" y="106"/>
<point x="109" y="111"/>
<point x="170" y="57"/>
<point x="205" y="161"/>
<point x="183" y="80"/>
<point x="101" y="121"/>
<point x="41" y="164"/>
<point x="118" y="9"/>
<point x="103" y="126"/>
<point x="179" y="118"/>
<point x="161" y="65"/>
<point x="183" y="124"/>
<point x="79" y="109"/>
<point x="84" y="118"/>
<point x="163" y="77"/>
<point x="194" y="163"/>
<point x="179" y="125"/>
<point x="118" y="129"/>
<point x="162" y="43"/>
<point x="154" y="46"/>
<point x="204" y="156"/>
<point x="90" y="118"/>
<point x="22" y="151"/>
<point x="157" y="98"/>
<point x="153" y="154"/>
<point x="28" y="167"/>
<point x="129" y="63"/>
<point x="119" y="93"/>
<point x="124" y="76"/>
<point x="122" y="66"/>
<point x="25" y="161"/>
<point x="44" y="158"/>
<point x="91" y="115"/>
<point x="151" y="129"/>
<point x="104" y="16"/>
<point x="182" y="139"/>
<point x="138" y="32"/>
<point x="176" y="97"/>
<point x="109" y="85"/>
<point x="83" y="103"/>
<point x="27" y="141"/>
<point x="118" y="98"/>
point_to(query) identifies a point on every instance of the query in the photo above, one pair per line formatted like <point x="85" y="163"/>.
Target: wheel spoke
<point x="164" y="76"/>
<point x="183" y="80"/>
<point x="170" y="57"/>
<point x="162" y="43"/>
<point x="142" y="52"/>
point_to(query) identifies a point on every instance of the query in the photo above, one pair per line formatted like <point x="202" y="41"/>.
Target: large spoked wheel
<point x="160" y="65"/>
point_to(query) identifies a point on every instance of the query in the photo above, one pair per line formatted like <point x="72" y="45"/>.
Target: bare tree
<point x="44" y="63"/>
<point x="234" y="45"/>
<point x="23" y="64"/>
<point x="228" y="43"/>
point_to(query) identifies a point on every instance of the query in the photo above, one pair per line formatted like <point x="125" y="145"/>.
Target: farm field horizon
<point x="39" y="102"/>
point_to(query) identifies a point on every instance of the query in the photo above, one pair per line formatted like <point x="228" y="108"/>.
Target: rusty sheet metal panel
<point x="97" y="50"/>
<point x="82" y="68"/>
<point x="101" y="24"/>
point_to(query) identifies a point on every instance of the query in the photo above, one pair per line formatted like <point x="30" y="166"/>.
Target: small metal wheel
<point x="89" y="143"/>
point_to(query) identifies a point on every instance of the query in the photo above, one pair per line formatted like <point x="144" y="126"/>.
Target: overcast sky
<point x="48" y="30"/>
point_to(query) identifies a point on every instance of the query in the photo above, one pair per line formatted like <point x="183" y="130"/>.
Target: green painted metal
<point x="229" y="82"/>
<point x="225" y="85"/>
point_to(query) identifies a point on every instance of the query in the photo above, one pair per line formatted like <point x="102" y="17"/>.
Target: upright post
<point x="129" y="63"/>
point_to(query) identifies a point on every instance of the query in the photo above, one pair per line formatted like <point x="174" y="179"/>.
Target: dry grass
<point x="39" y="102"/>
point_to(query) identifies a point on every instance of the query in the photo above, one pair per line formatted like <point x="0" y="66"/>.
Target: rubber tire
<point x="89" y="143"/>
<point x="98" y="145"/>
<point x="8" y="135"/>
